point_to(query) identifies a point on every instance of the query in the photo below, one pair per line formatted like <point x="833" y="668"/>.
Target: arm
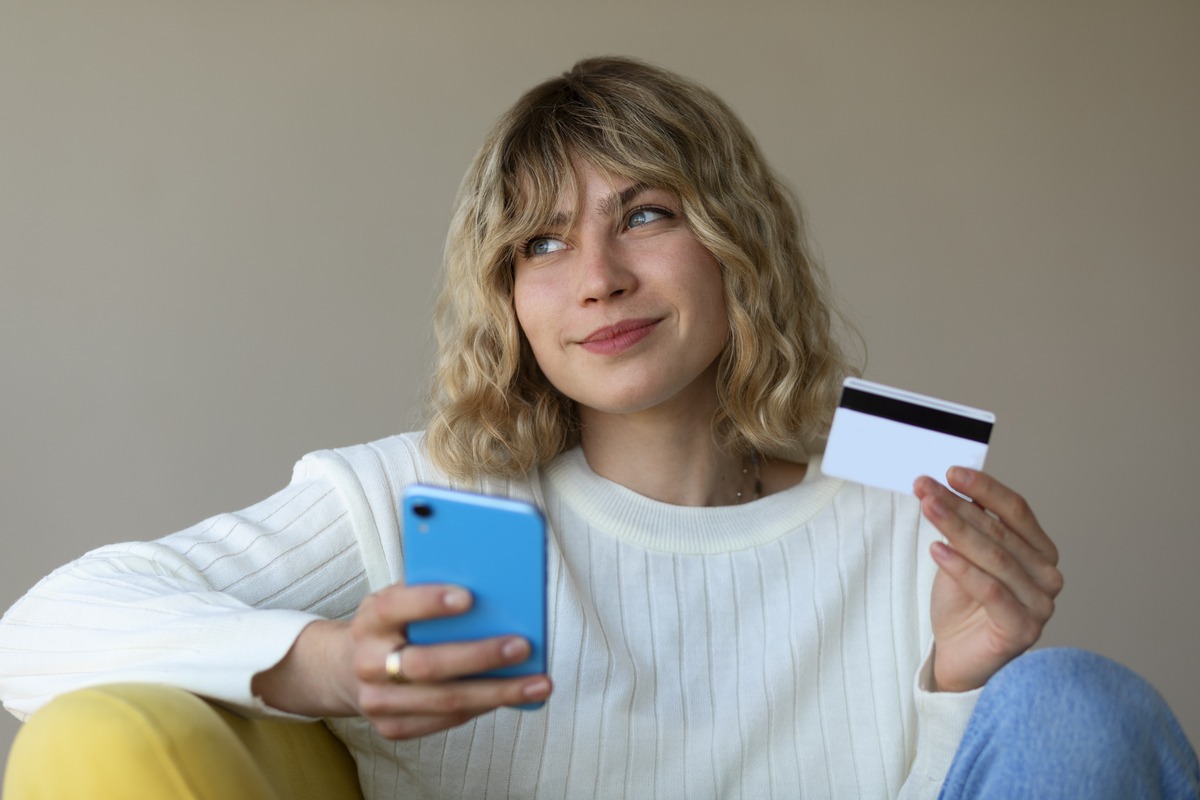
<point x="942" y="718"/>
<point x="993" y="590"/>
<point x="997" y="579"/>
<point x="203" y="609"/>
<point x="251" y="609"/>
<point x="992" y="594"/>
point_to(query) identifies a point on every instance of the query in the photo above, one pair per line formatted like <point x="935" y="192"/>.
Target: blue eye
<point x="541" y="245"/>
<point x="643" y="216"/>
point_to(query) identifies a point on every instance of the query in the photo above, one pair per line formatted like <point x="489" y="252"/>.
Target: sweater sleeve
<point x="942" y="717"/>
<point x="204" y="609"/>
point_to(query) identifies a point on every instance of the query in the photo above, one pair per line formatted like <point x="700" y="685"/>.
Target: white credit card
<point x="887" y="437"/>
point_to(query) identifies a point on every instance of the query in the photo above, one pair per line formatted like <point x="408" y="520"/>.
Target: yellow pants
<point x="133" y="741"/>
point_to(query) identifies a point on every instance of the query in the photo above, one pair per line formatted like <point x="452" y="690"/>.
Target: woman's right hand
<point x="337" y="668"/>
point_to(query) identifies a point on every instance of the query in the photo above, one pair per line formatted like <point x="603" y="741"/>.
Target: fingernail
<point x="938" y="508"/>
<point x="456" y="599"/>
<point x="925" y="484"/>
<point x="959" y="475"/>
<point x="536" y="689"/>
<point x="515" y="649"/>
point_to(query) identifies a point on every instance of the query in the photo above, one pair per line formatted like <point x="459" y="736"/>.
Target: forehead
<point x="584" y="188"/>
<point x="591" y="186"/>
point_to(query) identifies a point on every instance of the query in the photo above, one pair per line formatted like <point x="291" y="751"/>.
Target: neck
<point x="672" y="460"/>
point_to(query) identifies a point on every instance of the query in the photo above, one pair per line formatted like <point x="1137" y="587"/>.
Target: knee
<point x="1084" y="695"/>
<point x="1064" y="720"/>
<point x="1070" y="683"/>
<point x="127" y="741"/>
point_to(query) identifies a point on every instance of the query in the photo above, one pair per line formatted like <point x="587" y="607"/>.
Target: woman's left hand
<point x="998" y="577"/>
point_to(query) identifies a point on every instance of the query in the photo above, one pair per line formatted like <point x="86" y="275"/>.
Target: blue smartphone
<point x="493" y="546"/>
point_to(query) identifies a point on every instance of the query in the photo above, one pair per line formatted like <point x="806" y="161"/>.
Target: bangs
<point x="534" y="186"/>
<point x="562" y="125"/>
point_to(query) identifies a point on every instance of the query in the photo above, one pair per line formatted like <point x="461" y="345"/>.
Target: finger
<point x="993" y="563"/>
<point x="990" y="529"/>
<point x="960" y="521"/>
<point x="387" y="611"/>
<point x="452" y="660"/>
<point x="1010" y="507"/>
<point x="993" y="546"/>
<point x="473" y="696"/>
<point x="417" y="709"/>
<point x="1018" y="627"/>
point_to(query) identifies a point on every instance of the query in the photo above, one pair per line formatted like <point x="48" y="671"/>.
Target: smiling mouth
<point x="618" y="338"/>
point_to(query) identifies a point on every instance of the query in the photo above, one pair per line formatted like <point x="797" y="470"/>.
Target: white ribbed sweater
<point x="765" y="650"/>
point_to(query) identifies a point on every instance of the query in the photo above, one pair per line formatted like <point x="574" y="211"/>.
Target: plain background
<point x="221" y="223"/>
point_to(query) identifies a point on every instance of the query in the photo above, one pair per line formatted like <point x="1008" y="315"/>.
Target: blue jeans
<point x="1062" y="723"/>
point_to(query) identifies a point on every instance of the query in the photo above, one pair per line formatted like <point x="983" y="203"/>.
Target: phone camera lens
<point x="423" y="511"/>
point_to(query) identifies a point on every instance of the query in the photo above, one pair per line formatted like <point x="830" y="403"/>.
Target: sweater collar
<point x="655" y="525"/>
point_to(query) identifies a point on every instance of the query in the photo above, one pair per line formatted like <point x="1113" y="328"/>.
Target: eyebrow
<point x="617" y="201"/>
<point x="608" y="206"/>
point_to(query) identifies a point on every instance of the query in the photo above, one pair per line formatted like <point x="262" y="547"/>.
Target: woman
<point x="632" y="336"/>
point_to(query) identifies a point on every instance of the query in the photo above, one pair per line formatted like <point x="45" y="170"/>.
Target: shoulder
<point x="370" y="478"/>
<point x="399" y="459"/>
<point x="385" y="466"/>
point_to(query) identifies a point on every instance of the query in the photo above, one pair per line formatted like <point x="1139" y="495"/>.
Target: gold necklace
<point x="753" y="461"/>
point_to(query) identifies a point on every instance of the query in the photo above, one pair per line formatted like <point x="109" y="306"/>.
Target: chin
<point x="616" y="405"/>
<point x="643" y="391"/>
<point x="637" y="402"/>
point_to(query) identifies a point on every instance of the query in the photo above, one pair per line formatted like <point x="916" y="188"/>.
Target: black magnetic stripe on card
<point x="933" y="419"/>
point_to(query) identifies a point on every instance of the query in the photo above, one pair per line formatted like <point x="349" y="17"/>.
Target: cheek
<point x="531" y="307"/>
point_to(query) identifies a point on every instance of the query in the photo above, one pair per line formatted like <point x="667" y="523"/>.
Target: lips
<point x="614" y="339"/>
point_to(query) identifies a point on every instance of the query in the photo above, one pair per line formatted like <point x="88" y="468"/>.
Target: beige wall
<point x="220" y="226"/>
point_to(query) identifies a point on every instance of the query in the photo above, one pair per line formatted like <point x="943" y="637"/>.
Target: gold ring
<point x="393" y="667"/>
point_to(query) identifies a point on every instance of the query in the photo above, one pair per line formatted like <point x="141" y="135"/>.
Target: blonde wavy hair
<point x="491" y="409"/>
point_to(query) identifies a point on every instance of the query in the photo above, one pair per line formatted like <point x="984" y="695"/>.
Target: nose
<point x="604" y="273"/>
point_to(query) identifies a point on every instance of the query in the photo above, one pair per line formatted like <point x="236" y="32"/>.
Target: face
<point x="625" y="313"/>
